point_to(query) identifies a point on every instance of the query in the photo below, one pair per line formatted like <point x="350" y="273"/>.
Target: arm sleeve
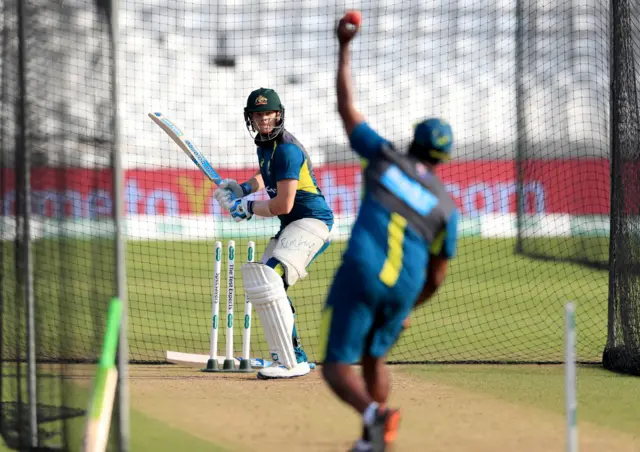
<point x="288" y="162"/>
<point x="366" y="142"/>
<point x="445" y="242"/>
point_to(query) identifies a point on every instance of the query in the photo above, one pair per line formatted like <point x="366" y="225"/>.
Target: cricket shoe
<point x="277" y="371"/>
<point x="382" y="432"/>
<point x="361" y="446"/>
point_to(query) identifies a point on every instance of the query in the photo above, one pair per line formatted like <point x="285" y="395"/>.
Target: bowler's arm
<point x="351" y="117"/>
<point x="363" y="139"/>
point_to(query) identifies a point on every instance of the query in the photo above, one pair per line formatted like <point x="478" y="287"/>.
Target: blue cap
<point x="435" y="135"/>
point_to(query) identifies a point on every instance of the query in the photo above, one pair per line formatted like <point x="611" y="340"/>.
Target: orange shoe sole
<point x="391" y="427"/>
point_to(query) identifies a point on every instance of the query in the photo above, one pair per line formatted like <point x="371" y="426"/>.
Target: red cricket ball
<point x="353" y="17"/>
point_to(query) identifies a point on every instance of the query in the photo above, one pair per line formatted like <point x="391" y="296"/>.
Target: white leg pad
<point x="298" y="244"/>
<point x="265" y="290"/>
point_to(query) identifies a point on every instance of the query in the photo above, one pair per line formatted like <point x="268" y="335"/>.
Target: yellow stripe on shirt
<point x="305" y="183"/>
<point x="393" y="264"/>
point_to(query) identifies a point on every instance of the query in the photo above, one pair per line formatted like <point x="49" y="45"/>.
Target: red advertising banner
<point x="577" y="187"/>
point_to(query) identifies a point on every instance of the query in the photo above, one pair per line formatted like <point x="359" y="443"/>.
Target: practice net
<point x="57" y="253"/>
<point x="525" y="86"/>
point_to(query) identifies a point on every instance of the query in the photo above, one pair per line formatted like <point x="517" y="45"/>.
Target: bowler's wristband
<point x="246" y="188"/>
<point x="250" y="207"/>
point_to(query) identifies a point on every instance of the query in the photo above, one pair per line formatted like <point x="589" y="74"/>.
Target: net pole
<point x="121" y="276"/>
<point x="23" y="152"/>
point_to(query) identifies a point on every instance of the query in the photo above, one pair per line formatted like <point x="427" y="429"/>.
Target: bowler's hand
<point x="346" y="31"/>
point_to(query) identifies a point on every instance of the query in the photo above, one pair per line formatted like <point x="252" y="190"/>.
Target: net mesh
<point x="562" y="97"/>
<point x="57" y="248"/>
<point x="524" y="85"/>
<point x="525" y="89"/>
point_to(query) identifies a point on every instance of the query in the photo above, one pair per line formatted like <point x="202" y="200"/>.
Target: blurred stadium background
<point x="525" y="84"/>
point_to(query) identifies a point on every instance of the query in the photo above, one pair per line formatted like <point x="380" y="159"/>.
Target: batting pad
<point x="265" y="290"/>
<point x="298" y="244"/>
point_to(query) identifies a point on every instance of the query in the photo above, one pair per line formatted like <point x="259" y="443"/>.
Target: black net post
<point x="622" y="352"/>
<point x="28" y="407"/>
<point x="8" y="281"/>
<point x="57" y="228"/>
<point x="18" y="406"/>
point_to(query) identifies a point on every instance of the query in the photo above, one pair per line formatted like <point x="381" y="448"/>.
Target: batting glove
<point x="241" y="209"/>
<point x="228" y="191"/>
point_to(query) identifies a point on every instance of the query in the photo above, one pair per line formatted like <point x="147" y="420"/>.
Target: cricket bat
<point x="187" y="145"/>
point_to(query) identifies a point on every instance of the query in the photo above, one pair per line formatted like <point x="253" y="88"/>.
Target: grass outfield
<point x="147" y="433"/>
<point x="604" y="398"/>
<point x="493" y="306"/>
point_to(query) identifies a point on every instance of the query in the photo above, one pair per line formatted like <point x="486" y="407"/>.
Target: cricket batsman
<point x="286" y="173"/>
<point x="396" y="258"/>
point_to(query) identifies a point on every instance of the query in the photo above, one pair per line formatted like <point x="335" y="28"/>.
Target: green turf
<point x="604" y="398"/>
<point x="150" y="434"/>
<point x="73" y="282"/>
<point x="147" y="433"/>
<point x="594" y="248"/>
<point x="494" y="305"/>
